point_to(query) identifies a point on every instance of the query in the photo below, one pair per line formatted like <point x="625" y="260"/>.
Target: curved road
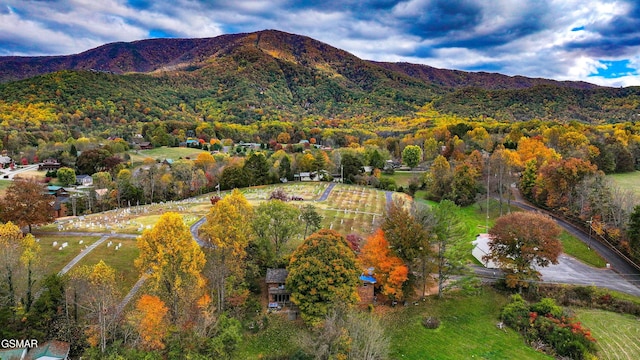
<point x="622" y="276"/>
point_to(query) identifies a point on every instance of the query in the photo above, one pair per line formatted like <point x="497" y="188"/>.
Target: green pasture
<point x="162" y="153"/>
<point x="121" y="260"/>
<point x="403" y="178"/>
<point x="616" y="334"/>
<point x="627" y="181"/>
<point x="55" y="259"/>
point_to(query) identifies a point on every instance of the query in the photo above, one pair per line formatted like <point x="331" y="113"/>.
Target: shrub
<point x="516" y="313"/>
<point x="547" y="306"/>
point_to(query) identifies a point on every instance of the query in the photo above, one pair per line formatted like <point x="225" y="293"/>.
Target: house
<point x="57" y="191"/>
<point x="5" y="161"/>
<point x="145" y="145"/>
<point x="50" y="350"/>
<point x="49" y="165"/>
<point x="84" y="180"/>
<point x="278" y="294"/>
<point x="481" y="248"/>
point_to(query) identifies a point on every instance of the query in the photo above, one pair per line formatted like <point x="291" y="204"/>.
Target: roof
<point x="83" y="176"/>
<point x="481" y="248"/>
<point x="51" y="350"/>
<point x="368" y="279"/>
<point x="276" y="276"/>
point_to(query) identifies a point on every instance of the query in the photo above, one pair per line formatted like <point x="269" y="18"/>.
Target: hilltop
<point x="273" y="75"/>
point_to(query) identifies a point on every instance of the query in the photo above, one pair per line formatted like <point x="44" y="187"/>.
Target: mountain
<point x="146" y="56"/>
<point x="276" y="76"/>
<point x="484" y="80"/>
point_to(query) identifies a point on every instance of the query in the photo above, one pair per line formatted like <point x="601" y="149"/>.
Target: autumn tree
<point x="96" y="293"/>
<point x="93" y="160"/>
<point x="10" y="250"/>
<point x="558" y="180"/>
<point x="174" y="262"/>
<point x="227" y="233"/>
<point x="464" y="184"/>
<point x="204" y="161"/>
<point x="412" y="155"/>
<point x="276" y="222"/>
<point x="390" y="271"/>
<point x="322" y="273"/>
<point x="521" y="240"/>
<point x="150" y="321"/>
<point x="408" y="237"/>
<point x="25" y="203"/>
<point x="439" y="178"/>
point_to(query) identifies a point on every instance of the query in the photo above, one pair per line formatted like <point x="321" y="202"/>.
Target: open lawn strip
<point x="119" y="254"/>
<point x="627" y="181"/>
<point x="581" y="251"/>
<point x="616" y="334"/>
<point x="55" y="256"/>
<point x="122" y="221"/>
<point x="467" y="330"/>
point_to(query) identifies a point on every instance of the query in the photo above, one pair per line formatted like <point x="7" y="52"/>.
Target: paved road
<point x="621" y="276"/>
<point x="11" y="173"/>
<point x="326" y="192"/>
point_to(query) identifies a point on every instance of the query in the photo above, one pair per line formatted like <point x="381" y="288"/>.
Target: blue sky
<point x="590" y="40"/>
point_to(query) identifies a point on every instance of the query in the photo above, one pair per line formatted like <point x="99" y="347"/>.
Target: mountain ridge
<point x="167" y="54"/>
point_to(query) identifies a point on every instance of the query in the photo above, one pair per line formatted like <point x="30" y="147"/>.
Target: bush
<point x="431" y="322"/>
<point x="547" y="306"/>
<point x="516" y="313"/>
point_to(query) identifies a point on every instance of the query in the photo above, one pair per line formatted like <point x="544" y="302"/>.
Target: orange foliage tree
<point x="390" y="270"/>
<point x="150" y="320"/>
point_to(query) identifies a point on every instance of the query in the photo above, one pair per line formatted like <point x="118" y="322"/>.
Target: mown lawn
<point x="53" y="259"/>
<point x="616" y="334"/>
<point x="402" y="178"/>
<point x="162" y="153"/>
<point x="121" y="260"/>
<point x="579" y="250"/>
<point x="468" y="330"/>
<point x="627" y="181"/>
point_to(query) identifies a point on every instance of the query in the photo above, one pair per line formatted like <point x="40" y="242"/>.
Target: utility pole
<point x="590" y="222"/>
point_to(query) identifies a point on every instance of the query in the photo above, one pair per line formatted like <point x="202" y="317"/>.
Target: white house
<point x="84" y="180"/>
<point x="481" y="248"/>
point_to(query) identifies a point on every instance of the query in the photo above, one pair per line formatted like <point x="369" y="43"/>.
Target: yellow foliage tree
<point x="174" y="262"/>
<point x="227" y="232"/>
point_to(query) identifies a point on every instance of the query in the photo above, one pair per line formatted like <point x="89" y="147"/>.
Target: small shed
<point x="366" y="288"/>
<point x="278" y="294"/>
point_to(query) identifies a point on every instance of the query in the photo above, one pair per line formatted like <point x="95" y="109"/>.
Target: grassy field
<point x="162" y="153"/>
<point x="402" y="178"/>
<point x="53" y="258"/>
<point x="627" y="181"/>
<point x="468" y="330"/>
<point x="616" y="334"/>
<point x="581" y="251"/>
<point x="121" y="260"/>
